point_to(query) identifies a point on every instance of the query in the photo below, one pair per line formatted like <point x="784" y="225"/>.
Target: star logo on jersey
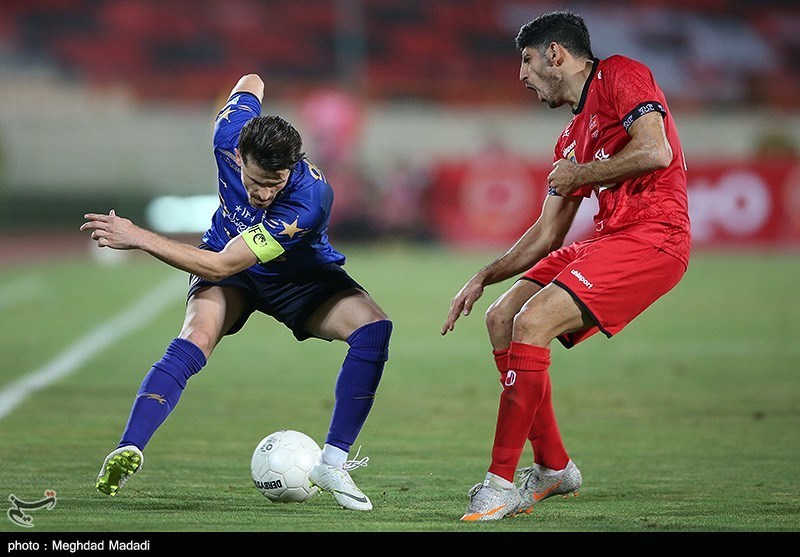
<point x="226" y="113"/>
<point x="292" y="229"/>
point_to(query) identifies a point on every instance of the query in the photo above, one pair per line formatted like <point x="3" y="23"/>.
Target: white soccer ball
<point x="280" y="466"/>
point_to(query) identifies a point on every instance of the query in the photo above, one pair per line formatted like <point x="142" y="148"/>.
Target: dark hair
<point x="563" y="27"/>
<point x="270" y="142"/>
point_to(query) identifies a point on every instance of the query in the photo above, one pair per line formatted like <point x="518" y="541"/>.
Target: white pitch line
<point x="135" y="317"/>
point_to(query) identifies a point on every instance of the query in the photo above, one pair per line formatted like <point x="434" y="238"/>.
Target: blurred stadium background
<point x="412" y="107"/>
<point x="436" y="153"/>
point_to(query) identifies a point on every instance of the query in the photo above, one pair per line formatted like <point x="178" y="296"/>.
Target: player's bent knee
<point x="203" y="341"/>
<point x="531" y="327"/>
<point x="371" y="341"/>
<point x="498" y="317"/>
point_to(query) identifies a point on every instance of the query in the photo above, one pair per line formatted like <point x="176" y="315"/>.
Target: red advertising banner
<point x="491" y="201"/>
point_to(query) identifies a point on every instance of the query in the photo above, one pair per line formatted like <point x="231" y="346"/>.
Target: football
<point x="280" y="466"/>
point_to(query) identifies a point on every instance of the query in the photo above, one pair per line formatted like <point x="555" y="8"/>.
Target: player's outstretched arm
<point x="546" y="234"/>
<point x="250" y="83"/>
<point x="116" y="232"/>
<point x="462" y="303"/>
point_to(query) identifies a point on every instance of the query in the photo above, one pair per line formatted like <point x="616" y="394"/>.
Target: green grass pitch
<point x="687" y="421"/>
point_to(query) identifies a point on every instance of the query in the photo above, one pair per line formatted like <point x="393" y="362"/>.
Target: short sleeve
<point x="632" y="90"/>
<point x="240" y="108"/>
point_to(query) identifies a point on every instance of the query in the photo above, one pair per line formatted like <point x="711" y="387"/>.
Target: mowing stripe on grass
<point x="20" y="291"/>
<point x="135" y="317"/>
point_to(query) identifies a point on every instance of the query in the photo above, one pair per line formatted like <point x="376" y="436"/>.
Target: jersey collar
<point x="595" y="64"/>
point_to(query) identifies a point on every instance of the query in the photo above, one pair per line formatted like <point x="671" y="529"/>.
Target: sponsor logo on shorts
<point x="581" y="278"/>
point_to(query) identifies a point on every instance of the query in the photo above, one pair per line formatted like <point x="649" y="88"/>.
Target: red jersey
<point x="654" y="206"/>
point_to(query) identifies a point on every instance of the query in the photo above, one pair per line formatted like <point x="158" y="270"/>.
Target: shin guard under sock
<point x="160" y="391"/>
<point x="545" y="437"/>
<point x="358" y="381"/>
<point x="523" y="390"/>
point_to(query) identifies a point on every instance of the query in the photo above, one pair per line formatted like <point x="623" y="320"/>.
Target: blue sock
<point x="160" y="391"/>
<point x="358" y="381"/>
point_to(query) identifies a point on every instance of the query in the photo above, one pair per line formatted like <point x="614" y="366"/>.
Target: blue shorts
<point x="291" y="301"/>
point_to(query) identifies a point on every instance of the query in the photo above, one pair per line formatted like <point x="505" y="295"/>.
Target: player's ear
<point x="555" y="54"/>
<point x="238" y="156"/>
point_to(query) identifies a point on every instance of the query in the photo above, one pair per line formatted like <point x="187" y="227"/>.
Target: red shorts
<point x="613" y="278"/>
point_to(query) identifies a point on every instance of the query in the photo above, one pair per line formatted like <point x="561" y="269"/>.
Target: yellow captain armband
<point x="264" y="246"/>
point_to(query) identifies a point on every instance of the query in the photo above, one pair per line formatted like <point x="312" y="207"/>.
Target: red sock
<point x="545" y="438"/>
<point x="501" y="361"/>
<point x="523" y="390"/>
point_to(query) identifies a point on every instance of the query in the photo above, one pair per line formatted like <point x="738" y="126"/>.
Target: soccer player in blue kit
<point x="267" y="250"/>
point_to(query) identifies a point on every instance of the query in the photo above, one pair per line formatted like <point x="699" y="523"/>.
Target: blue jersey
<point x="297" y="219"/>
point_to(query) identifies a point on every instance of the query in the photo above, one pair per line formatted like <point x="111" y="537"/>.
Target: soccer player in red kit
<point x="622" y="146"/>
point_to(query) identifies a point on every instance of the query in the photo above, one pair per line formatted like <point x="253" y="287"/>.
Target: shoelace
<point x="355" y="463"/>
<point x="525" y="474"/>
<point x="474" y="489"/>
<point x="473" y="492"/>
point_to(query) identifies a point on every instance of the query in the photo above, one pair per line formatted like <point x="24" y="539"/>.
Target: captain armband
<point x="264" y="246"/>
<point x="640" y="110"/>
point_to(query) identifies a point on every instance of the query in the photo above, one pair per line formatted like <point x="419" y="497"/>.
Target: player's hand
<point x="563" y="179"/>
<point x="111" y="231"/>
<point x="462" y="303"/>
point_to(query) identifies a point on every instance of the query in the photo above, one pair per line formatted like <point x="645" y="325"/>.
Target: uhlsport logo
<point x="511" y="378"/>
<point x="17" y="511"/>
<point x="581" y="278"/>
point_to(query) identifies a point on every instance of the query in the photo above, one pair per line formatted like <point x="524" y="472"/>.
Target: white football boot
<point x="489" y="501"/>
<point x="337" y="481"/>
<point x="539" y="483"/>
